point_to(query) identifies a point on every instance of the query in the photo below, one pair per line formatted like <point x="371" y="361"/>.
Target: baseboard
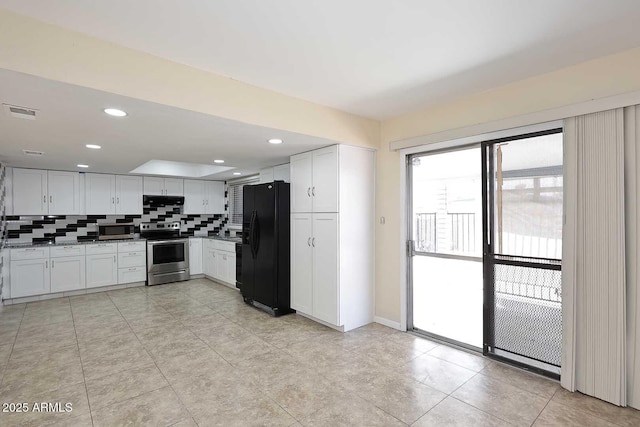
<point x="387" y="322"/>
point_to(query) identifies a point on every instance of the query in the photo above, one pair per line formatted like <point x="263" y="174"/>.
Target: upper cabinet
<point x="203" y="197"/>
<point x="41" y="192"/>
<point x="113" y="194"/>
<point x="314" y="181"/>
<point x="154" y="186"/>
<point x="275" y="173"/>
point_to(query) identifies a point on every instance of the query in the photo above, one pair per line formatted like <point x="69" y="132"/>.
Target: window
<point x="234" y="189"/>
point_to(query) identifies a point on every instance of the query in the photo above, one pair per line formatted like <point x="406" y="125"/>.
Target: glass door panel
<point x="446" y="230"/>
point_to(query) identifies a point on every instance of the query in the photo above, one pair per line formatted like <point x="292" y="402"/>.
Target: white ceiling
<point x="71" y="116"/>
<point x="375" y="58"/>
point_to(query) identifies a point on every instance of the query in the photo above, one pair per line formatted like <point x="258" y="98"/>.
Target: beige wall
<point x="44" y="50"/>
<point x="608" y="76"/>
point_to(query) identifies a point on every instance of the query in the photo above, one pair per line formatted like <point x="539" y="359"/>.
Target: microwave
<point x="123" y="230"/>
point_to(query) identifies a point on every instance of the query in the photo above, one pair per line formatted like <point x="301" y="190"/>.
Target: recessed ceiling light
<point x="115" y="112"/>
<point x="275" y="141"/>
<point x="237" y="173"/>
<point x="83" y="166"/>
<point x="218" y="161"/>
<point x="93" y="146"/>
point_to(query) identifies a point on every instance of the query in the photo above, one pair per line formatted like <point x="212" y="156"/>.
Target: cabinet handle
<point x="308" y="191"/>
<point x="313" y="242"/>
<point x="46" y="264"/>
<point x="113" y="201"/>
<point x="118" y="200"/>
<point x="202" y="202"/>
<point x="313" y="191"/>
<point x="45" y="198"/>
<point x="114" y="259"/>
<point x="53" y="263"/>
<point x="309" y="241"/>
<point x="50" y="199"/>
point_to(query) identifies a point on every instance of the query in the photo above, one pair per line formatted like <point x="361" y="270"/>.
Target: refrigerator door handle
<point x="256" y="233"/>
<point x="251" y="234"/>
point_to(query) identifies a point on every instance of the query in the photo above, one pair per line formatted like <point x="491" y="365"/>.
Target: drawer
<point x="102" y="248"/>
<point x="226" y="246"/>
<point x="137" y="246"/>
<point x="132" y="259"/>
<point x="30" y="253"/>
<point x="62" y="251"/>
<point x="131" y="275"/>
<point x="209" y="243"/>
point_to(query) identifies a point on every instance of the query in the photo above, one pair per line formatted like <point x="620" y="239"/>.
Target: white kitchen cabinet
<point x="301" y="263"/>
<point x="274" y="173"/>
<point x="128" y="195"/>
<point x="64" y="193"/>
<point x="332" y="228"/>
<point x="41" y="192"/>
<point x="194" y="197"/>
<point x="30" y="192"/>
<point x="222" y="272"/>
<point x="195" y="256"/>
<point x="102" y="270"/>
<point x="281" y="173"/>
<point x="100" y="194"/>
<point x="231" y="269"/>
<point x="29" y="277"/>
<point x="68" y="273"/>
<point x="132" y="262"/>
<point x="210" y="262"/>
<point x="214" y="196"/>
<point x="156" y="186"/>
<point x="301" y="183"/>
<point x="266" y="175"/>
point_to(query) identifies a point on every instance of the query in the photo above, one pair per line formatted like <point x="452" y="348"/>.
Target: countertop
<point x="89" y="242"/>
<point x="68" y="243"/>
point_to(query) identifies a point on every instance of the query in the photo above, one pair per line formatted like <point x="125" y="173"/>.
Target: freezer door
<point x="248" y="260"/>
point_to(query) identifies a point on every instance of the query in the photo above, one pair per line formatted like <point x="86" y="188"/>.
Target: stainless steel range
<point x="167" y="252"/>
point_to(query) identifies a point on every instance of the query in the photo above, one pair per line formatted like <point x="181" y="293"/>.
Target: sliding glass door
<point x="523" y="249"/>
<point x="446" y="225"/>
<point x="484" y="254"/>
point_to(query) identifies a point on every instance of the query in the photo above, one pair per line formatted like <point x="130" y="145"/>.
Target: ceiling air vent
<point x="33" y="152"/>
<point x="20" y="112"/>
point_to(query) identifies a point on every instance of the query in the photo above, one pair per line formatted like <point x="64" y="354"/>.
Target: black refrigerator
<point x="265" y="247"/>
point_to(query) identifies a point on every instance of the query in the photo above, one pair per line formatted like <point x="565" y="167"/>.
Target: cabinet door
<point x="301" y="176"/>
<point x="214" y="197"/>
<point x="325" y="267"/>
<point x="128" y="195"/>
<point x="64" y="193"/>
<point x="67" y="274"/>
<point x="194" y="197"/>
<point x="30" y="192"/>
<point x="100" y="194"/>
<point x="195" y="256"/>
<point x="173" y="187"/>
<point x="153" y="186"/>
<point x="102" y="270"/>
<point x="211" y="263"/>
<point x="324" y="190"/>
<point x="266" y="175"/>
<point x="231" y="268"/>
<point x="30" y="277"/>
<point x="301" y="263"/>
<point x="281" y="173"/>
<point x="221" y="262"/>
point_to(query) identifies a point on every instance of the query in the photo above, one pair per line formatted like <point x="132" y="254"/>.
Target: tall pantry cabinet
<point x="332" y="229"/>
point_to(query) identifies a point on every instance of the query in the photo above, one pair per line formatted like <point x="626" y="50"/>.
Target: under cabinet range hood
<point x="159" y="201"/>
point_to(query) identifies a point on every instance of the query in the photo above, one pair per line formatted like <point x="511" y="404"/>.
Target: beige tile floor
<point x="192" y="353"/>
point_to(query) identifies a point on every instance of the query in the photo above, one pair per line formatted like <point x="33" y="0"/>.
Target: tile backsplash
<point x="69" y="228"/>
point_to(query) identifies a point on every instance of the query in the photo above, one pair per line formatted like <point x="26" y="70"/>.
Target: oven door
<point x="165" y="256"/>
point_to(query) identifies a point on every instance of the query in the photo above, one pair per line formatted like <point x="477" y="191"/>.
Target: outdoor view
<point x="447" y="230"/>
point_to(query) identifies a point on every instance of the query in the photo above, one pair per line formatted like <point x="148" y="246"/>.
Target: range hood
<point x="159" y="201"/>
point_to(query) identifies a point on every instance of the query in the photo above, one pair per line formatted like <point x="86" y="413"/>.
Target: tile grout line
<point x="593" y="414"/>
<point x="86" y="389"/>
<point x="15" y="338"/>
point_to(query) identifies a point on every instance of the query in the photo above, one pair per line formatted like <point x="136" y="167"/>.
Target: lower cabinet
<point x="195" y="256"/>
<point x="219" y="260"/>
<point x="102" y="270"/>
<point x="67" y="274"/>
<point x="30" y="277"/>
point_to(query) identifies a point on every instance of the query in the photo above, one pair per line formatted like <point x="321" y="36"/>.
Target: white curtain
<point x="594" y="283"/>
<point x="632" y="186"/>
